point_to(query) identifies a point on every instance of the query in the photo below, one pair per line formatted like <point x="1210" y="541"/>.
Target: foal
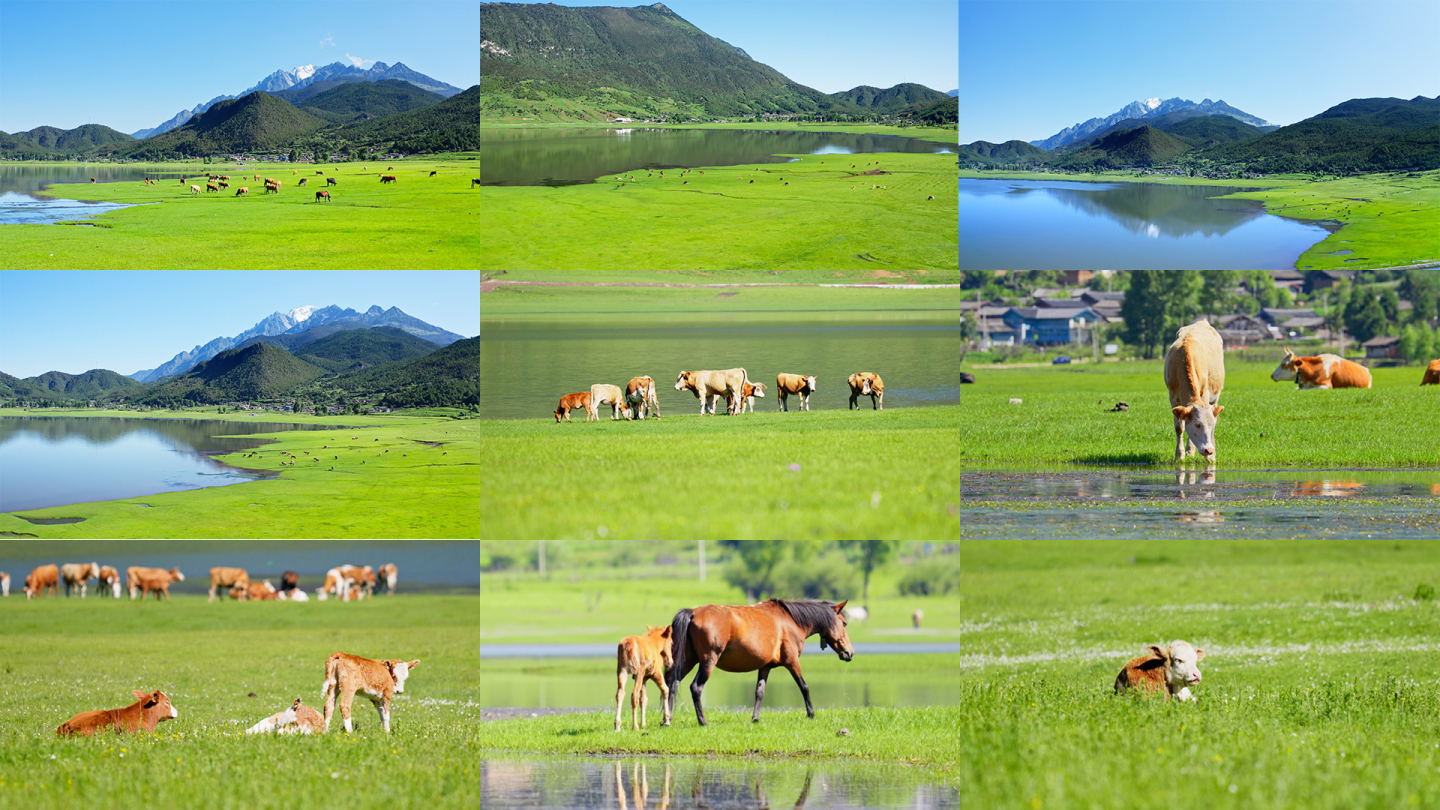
<point x="646" y="657"/>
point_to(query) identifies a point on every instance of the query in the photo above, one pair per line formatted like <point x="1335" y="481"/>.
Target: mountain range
<point x="1141" y="110"/>
<point x="93" y="383"/>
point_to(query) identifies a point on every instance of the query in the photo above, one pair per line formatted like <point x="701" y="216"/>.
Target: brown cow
<point x="243" y="191"/>
<point x="800" y="385"/>
<point x="258" y="591"/>
<point x="92" y="179"/>
<point x="1321" y="371"/>
<point x="78" y="575"/>
<point x="322" y="195"/>
<point x="379" y="680"/>
<point x="151" y="709"/>
<point x="1195" y="376"/>
<point x="389" y="573"/>
<point x="867" y="384"/>
<point x="298" y="719"/>
<point x="109" y="580"/>
<point x="317" y="171"/>
<point x="747" y="398"/>
<point x="646" y="657"/>
<point x="269" y="188"/>
<point x="1432" y="374"/>
<point x="211" y="187"/>
<point x="159" y="583"/>
<point x="134" y="573"/>
<point x="224" y="177"/>
<point x="570" y="402"/>
<point x="46" y="576"/>
<point x="303" y="180"/>
<point x="639" y="394"/>
<point x="388" y="178"/>
<point x="289" y="581"/>
<point x="1176" y="668"/>
<point x="228" y="578"/>
<point x="712" y="385"/>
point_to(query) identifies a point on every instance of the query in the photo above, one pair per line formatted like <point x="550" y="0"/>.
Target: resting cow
<point x="570" y="402"/>
<point x="1195" y="375"/>
<point x="605" y="394"/>
<point x="298" y="719"/>
<point x="1176" y="668"/>
<point x="798" y="384"/>
<point x="257" y="591"/>
<point x="1432" y="374"/>
<point x="867" y="384"/>
<point x="45" y="576"/>
<point x="150" y="710"/>
<point x="640" y="394"/>
<point x="1321" y="371"/>
<point x="379" y="680"/>
<point x="713" y="385"/>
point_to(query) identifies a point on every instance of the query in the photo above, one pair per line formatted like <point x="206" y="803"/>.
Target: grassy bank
<point x="66" y="656"/>
<point x="937" y="134"/>
<point x="415" y="223"/>
<point x="1318" y="682"/>
<point x="411" y="491"/>
<point x="881" y="474"/>
<point x="510" y="301"/>
<point x="827" y="225"/>
<point x="1389" y="218"/>
<point x="1064" y="418"/>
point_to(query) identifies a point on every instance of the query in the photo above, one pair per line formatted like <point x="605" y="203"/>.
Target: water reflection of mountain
<point x="201" y="435"/>
<point x="1156" y="210"/>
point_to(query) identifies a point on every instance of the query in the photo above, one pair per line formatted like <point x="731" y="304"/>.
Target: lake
<point x="1066" y="225"/>
<point x="53" y="461"/>
<point x="528" y="364"/>
<point x="21" y="187"/>
<point x="560" y="157"/>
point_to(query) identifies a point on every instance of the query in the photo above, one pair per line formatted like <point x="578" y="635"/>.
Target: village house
<point x="1382" y="348"/>
<point x="1049" y="326"/>
<point x="1325" y="279"/>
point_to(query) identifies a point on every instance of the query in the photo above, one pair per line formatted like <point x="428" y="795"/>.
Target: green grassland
<point x="1389" y="218"/>
<point x="1318" y="685"/>
<point x="385" y="483"/>
<point x="871" y="474"/>
<point x="516" y="301"/>
<point x="924" y="133"/>
<point x="1064" y="418"/>
<point x="415" y="223"/>
<point x="828" y="225"/>
<point x="62" y="657"/>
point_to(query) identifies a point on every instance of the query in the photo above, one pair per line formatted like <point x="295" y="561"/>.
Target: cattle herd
<point x="216" y="182"/>
<point x="345" y="582"/>
<point x="734" y="385"/>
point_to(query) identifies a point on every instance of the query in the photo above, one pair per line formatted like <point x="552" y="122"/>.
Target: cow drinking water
<point x="1195" y="375"/>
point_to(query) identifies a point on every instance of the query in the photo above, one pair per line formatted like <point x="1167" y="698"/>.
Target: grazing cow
<point x="228" y="578"/>
<point x="867" y="384"/>
<point x="4" y="583"/>
<point x="46" y="576"/>
<point x="1432" y="374"/>
<point x="712" y="385"/>
<point x="159" y="583"/>
<point x="1322" y="371"/>
<point x="317" y="171"/>
<point x="243" y="191"/>
<point x="747" y="398"/>
<point x="797" y="384"/>
<point x="78" y="575"/>
<point x="390" y="574"/>
<point x="303" y="181"/>
<point x="109" y="580"/>
<point x="640" y="394"/>
<point x="224" y="177"/>
<point x="380" y="680"/>
<point x="603" y="394"/>
<point x="270" y="181"/>
<point x="1175" y="667"/>
<point x="322" y="195"/>
<point x="150" y="710"/>
<point x="257" y="178"/>
<point x="646" y="657"/>
<point x="330" y="181"/>
<point x="917" y="617"/>
<point x="367" y="580"/>
<point x="298" y="719"/>
<point x="966" y="378"/>
<point x="134" y="573"/>
<point x="92" y="179"/>
<point x="389" y="168"/>
<point x="570" y="402"/>
<point x="432" y="174"/>
<point x="209" y="187"/>
<point x="223" y="184"/>
<point x="388" y="178"/>
<point x="258" y="591"/>
<point x="269" y="188"/>
<point x="289" y="581"/>
<point x="194" y="189"/>
<point x="475" y="182"/>
<point x="1195" y="375"/>
<point x="335" y="581"/>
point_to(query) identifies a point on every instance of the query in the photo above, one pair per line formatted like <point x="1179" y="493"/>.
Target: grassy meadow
<point x="64" y="656"/>
<point x="1318" y="686"/>
<point x="418" y="222"/>
<point x="827" y="225"/>
<point x="835" y="474"/>
<point x="385" y="483"/>
<point x="1064" y="418"/>
<point x="924" y="133"/>
<point x="509" y="300"/>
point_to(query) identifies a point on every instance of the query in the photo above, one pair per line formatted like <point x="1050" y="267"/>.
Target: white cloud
<point x="360" y="63"/>
<point x="327" y="40"/>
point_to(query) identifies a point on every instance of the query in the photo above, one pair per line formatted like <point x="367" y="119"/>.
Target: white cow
<point x="1195" y="374"/>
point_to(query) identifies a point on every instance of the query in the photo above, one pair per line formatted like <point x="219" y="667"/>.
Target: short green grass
<point x="396" y="487"/>
<point x="518" y="300"/>
<point x="62" y="657"/>
<point x="936" y="134"/>
<point x="1319" y="679"/>
<point x="830" y="474"/>
<point x="828" y="225"/>
<point x="1064" y="418"/>
<point x="415" y="223"/>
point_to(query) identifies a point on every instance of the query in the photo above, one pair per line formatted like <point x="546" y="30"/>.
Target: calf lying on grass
<point x="1175" y="667"/>
<point x="298" y="719"/>
<point x="144" y="714"/>
<point x="646" y="657"/>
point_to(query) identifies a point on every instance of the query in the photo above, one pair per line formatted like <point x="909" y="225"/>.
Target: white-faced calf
<point x="142" y="715"/>
<point x="298" y="719"/>
<point x="379" y="680"/>
<point x="1175" y="668"/>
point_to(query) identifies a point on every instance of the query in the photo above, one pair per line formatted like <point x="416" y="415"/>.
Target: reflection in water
<point x="1192" y="478"/>
<point x="1327" y="489"/>
<point x="1155" y="483"/>
<point x="657" y="783"/>
<point x="1156" y="210"/>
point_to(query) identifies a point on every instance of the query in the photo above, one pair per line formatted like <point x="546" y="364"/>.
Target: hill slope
<point x="256" y="122"/>
<point x="1368" y="134"/>
<point x="360" y="100"/>
<point x="1008" y="152"/>
<point x="93" y="383"/>
<point x="892" y="99"/>
<point x="16" y="387"/>
<point x="357" y="349"/>
<point x="1143" y="146"/>
<point x="452" y="125"/>
<point x="1211" y="130"/>
<point x="254" y="372"/>
<point x="447" y="376"/>
<point x="83" y="140"/>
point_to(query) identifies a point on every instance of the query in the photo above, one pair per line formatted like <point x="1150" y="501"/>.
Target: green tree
<point x="1390" y="303"/>
<point x="293" y="157"/>
<point x="1217" y="295"/>
<point x="1422" y="289"/>
<point x="1413" y="344"/>
<point x="1157" y="303"/>
<point x="753" y="568"/>
<point x="867" y="555"/>
<point x="1364" y="317"/>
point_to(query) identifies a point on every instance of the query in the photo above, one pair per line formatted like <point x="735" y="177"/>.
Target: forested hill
<point x="626" y="60"/>
<point x="453" y="125"/>
<point x="92" y="383"/>
<point x="256" y="122"/>
<point x="1144" y="146"/>
<point x="50" y="142"/>
<point x="447" y="376"/>
<point x="1364" y="134"/>
<point x="352" y="101"/>
<point x="892" y="99"/>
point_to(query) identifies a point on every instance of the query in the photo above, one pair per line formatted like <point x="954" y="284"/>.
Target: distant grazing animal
<point x="1321" y="371"/>
<point x="45" y="576"/>
<point x="432" y="174"/>
<point x="390" y="574"/>
<point x="228" y="578"/>
<point x="182" y="181"/>
<point x="224" y="184"/>
<point x="931" y="197"/>
<point x="640" y="395"/>
<point x="243" y="191"/>
<point x="289" y="581"/>
<point x="603" y="394"/>
<point x="388" y="168"/>
<point x="298" y="719"/>
<point x="646" y="657"/>
<point x="109" y="580"/>
<point x="322" y="195"/>
<point x="798" y="384"/>
<point x="379" y="680"/>
<point x="475" y="182"/>
<point x="1432" y="374"/>
<point x="917" y="617"/>
<point x="713" y="385"/>
<point x="330" y="181"/>
<point x="257" y="178"/>
<point x="159" y="583"/>
<point x="224" y="177"/>
<point x="133" y="574"/>
<point x="747" y="396"/>
<point x="4" y="583"/>
<point x="269" y="188"/>
<point x="1195" y="375"/>
<point x="1176" y="668"/>
<point x="209" y="187"/>
<point x="388" y="178"/>
<point x="78" y="575"/>
<point x="302" y="181"/>
<point x="570" y="402"/>
<point x="194" y="189"/>
<point x="270" y="182"/>
<point x="967" y="378"/>
<point x="867" y="384"/>
<point x="317" y="171"/>
<point x="92" y="179"/>
<point x="150" y="710"/>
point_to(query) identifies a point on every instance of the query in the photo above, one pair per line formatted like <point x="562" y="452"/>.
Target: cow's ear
<point x="413" y="664"/>
<point x="1160" y="652"/>
<point x="841" y="606"/>
<point x="1182" y="412"/>
<point x="1217" y="409"/>
<point x="141" y="695"/>
<point x="1199" y="654"/>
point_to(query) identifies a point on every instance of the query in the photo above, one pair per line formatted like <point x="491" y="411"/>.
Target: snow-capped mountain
<point x="1149" y="108"/>
<point x="306" y="75"/>
<point x="298" y="320"/>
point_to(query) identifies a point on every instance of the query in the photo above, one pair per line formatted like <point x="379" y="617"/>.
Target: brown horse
<point x="755" y="637"/>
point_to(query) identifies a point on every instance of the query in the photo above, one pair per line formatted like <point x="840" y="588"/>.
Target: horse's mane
<point x="815" y="614"/>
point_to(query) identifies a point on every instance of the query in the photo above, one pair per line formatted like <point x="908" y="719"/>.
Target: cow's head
<point x="810" y="383"/>
<point x="399" y="671"/>
<point x="175" y="572"/>
<point x="156" y="702"/>
<point x="1182" y="664"/>
<point x="683" y="381"/>
<point x="865" y="386"/>
<point x="1287" y="368"/>
<point x="758" y="390"/>
<point x="29" y="588"/>
<point x="835" y="635"/>
<point x="1199" y="424"/>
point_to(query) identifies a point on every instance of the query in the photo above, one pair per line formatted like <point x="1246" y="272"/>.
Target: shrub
<point x="1425" y="592"/>
<point x="931" y="576"/>
<point x="827" y="577"/>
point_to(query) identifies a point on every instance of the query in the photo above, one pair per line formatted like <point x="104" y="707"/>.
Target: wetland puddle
<point x="1153" y="483"/>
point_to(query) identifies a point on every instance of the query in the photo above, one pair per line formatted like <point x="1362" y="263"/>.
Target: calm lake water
<point x="52" y="461"/>
<point x="558" y="157"/>
<point x="527" y="365"/>
<point x="1064" y="225"/>
<point x="21" y="186"/>
<point x="678" y="783"/>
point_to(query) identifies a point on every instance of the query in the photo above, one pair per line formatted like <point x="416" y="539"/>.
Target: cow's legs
<point x="759" y="693"/>
<point x="212" y="594"/>
<point x="1180" y="439"/>
<point x="330" y="690"/>
<point x="707" y="665"/>
<point x="804" y="690"/>
<point x="384" y="711"/>
<point x="782" y="400"/>
<point x="345" y="702"/>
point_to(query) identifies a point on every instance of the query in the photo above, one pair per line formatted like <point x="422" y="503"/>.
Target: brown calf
<point x="143" y="715"/>
<point x="228" y="578"/>
<point x="388" y="178"/>
<point x="243" y="191"/>
<point x="46" y="576"/>
<point x="1174" y="669"/>
<point x="379" y="680"/>
<point x="570" y="402"/>
<point x="211" y="187"/>
<point x="303" y="180"/>
<point x="134" y="573"/>
<point x="646" y="657"/>
<point x="158" y="583"/>
<point x="1432" y="374"/>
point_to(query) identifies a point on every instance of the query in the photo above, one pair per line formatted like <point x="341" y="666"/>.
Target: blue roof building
<point x="1050" y="326"/>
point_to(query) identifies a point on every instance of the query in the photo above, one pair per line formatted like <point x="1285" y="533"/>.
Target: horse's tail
<point x="679" y="648"/>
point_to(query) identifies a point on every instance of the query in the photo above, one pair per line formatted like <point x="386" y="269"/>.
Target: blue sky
<point x="1034" y="68"/>
<point x="833" y="45"/>
<point x="124" y="321"/>
<point x="132" y="65"/>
